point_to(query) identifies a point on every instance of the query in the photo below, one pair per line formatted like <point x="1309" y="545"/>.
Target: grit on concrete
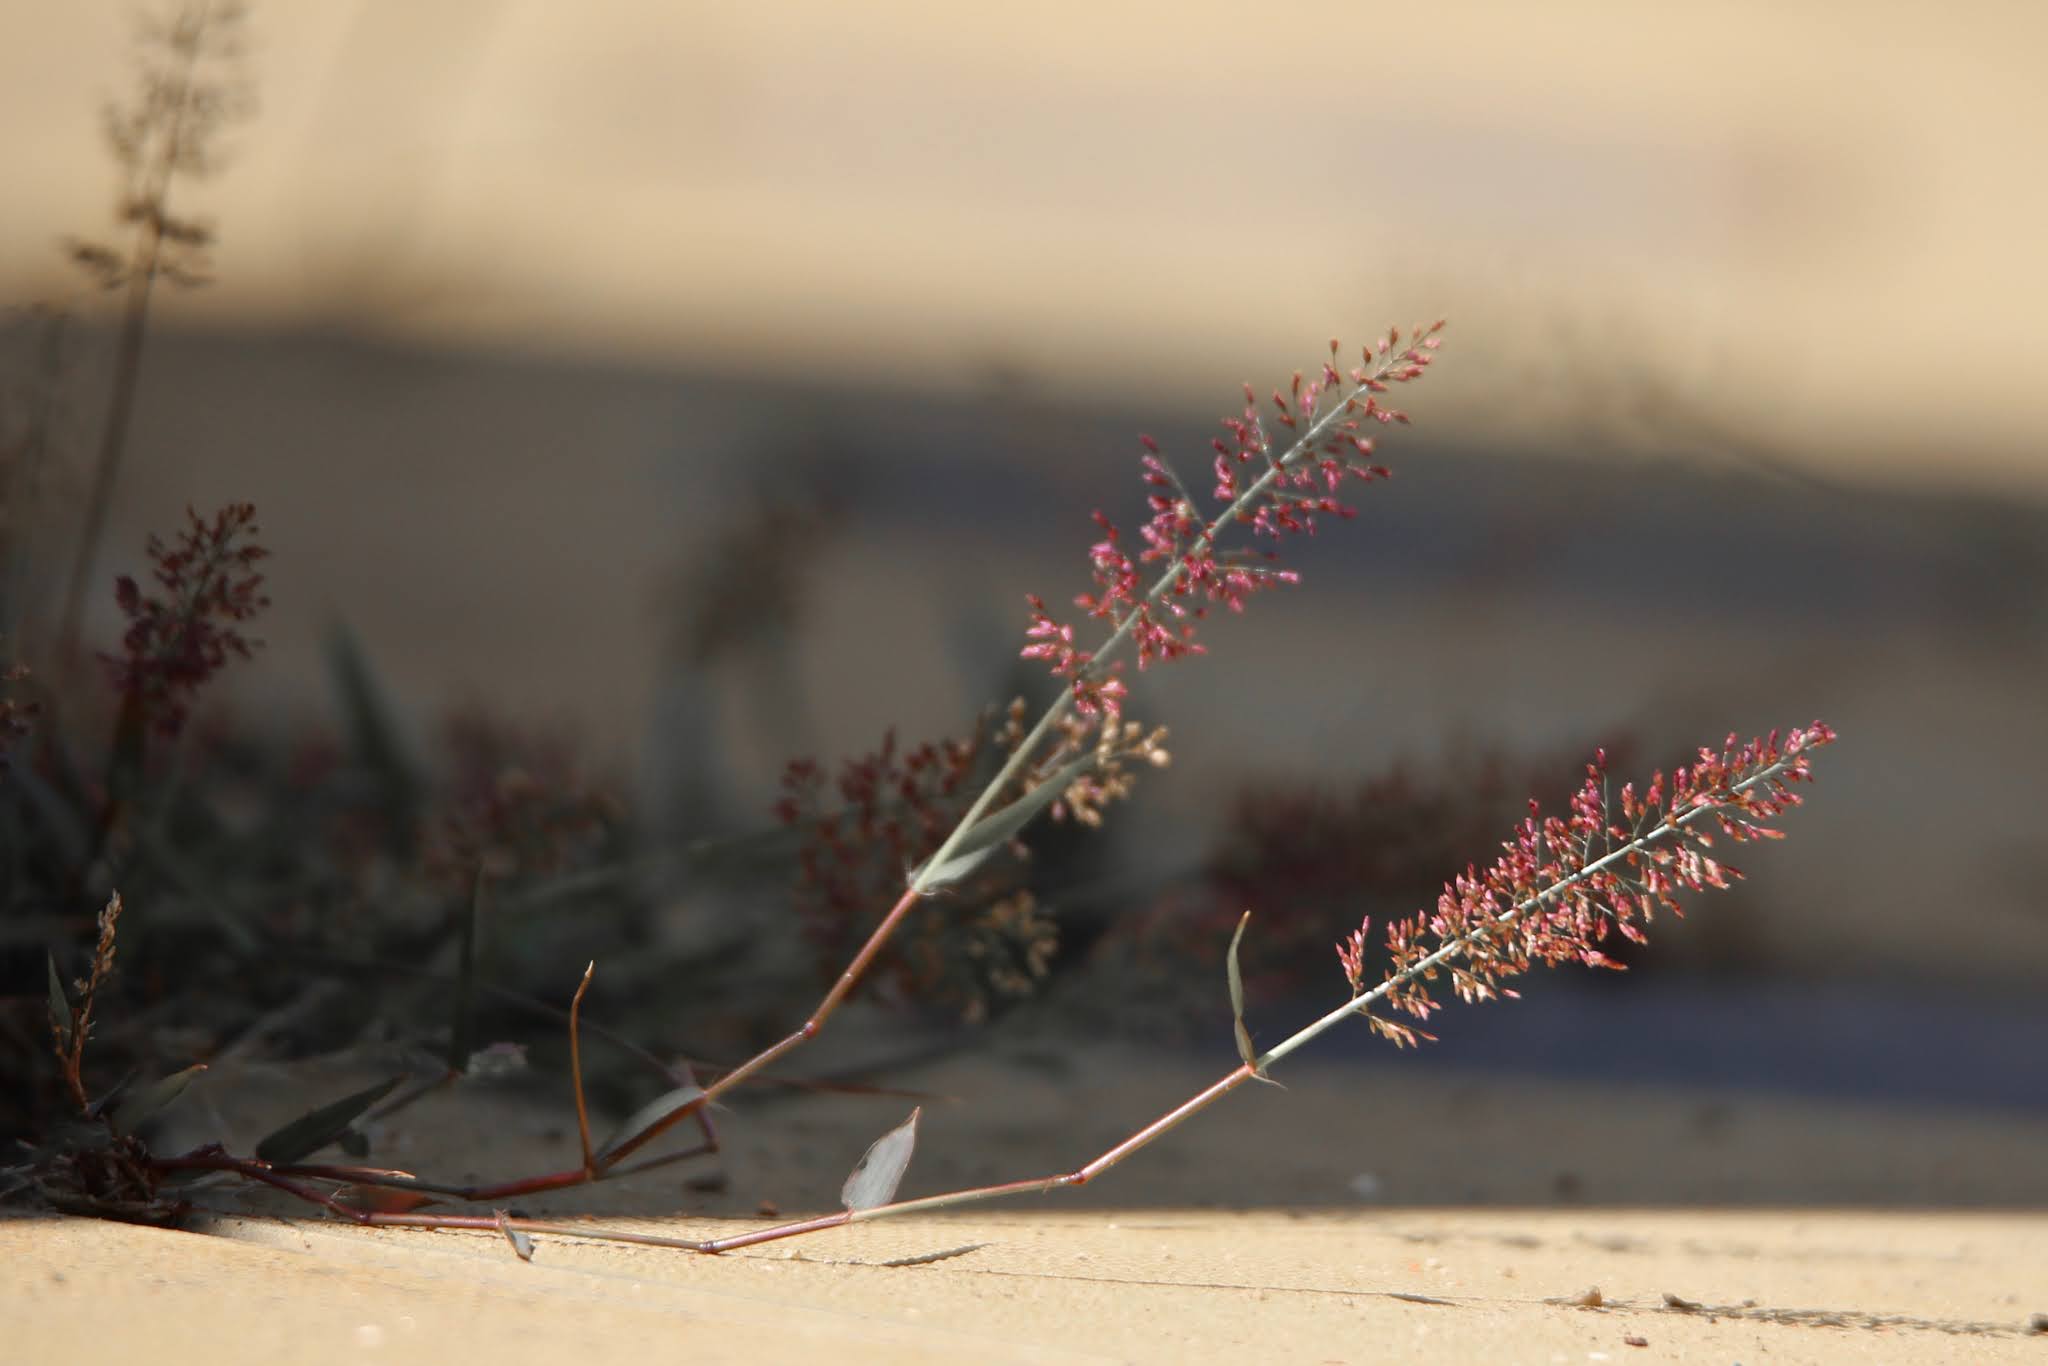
<point x="1420" y="1285"/>
<point x="1358" y="1216"/>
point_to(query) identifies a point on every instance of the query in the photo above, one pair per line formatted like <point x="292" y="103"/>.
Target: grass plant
<point x="362" y="859"/>
<point x="1563" y="889"/>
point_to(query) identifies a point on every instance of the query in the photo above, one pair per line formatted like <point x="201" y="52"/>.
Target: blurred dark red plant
<point x="1309" y="856"/>
<point x="882" y="814"/>
<point x="987" y="938"/>
<point x="517" y="803"/>
<point x="177" y="641"/>
<point x="16" y="713"/>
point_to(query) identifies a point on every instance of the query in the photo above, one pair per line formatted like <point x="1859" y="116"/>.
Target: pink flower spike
<point x="1275" y="490"/>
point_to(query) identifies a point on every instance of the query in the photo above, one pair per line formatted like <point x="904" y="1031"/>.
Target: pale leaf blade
<point x="141" y="1104"/>
<point x="880" y="1170"/>
<point x="1236" y="978"/>
<point x="522" y="1242"/>
<point x="997" y="829"/>
<point x="645" y="1118"/>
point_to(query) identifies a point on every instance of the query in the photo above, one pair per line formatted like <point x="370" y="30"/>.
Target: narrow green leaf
<point x="55" y="804"/>
<point x="880" y="1170"/>
<point x="140" y="1105"/>
<point x="584" y="882"/>
<point x="60" y="1007"/>
<point x="645" y="1118"/>
<point x="771" y="847"/>
<point x="314" y="1130"/>
<point x="373" y="729"/>
<point x="131" y="741"/>
<point x="97" y="1109"/>
<point x="989" y="834"/>
<point x="465" y="979"/>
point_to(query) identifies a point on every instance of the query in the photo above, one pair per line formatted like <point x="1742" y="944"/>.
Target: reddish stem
<point x="576" y="1064"/>
<point x="774" y="1052"/>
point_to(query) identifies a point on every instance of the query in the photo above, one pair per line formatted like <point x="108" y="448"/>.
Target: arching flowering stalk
<point x="1562" y="885"/>
<point x="1269" y="483"/>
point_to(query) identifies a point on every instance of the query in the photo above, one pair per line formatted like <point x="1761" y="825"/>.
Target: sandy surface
<point x="1364" y="1214"/>
<point x="1391" y="1285"/>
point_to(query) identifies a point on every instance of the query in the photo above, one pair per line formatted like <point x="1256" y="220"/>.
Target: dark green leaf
<point x="131" y="741"/>
<point x="465" y="980"/>
<point x="583" y="883"/>
<point x="60" y="1007"/>
<point x="770" y="847"/>
<point x="55" y="803"/>
<point x="992" y="832"/>
<point x="880" y="1170"/>
<point x="311" y="1132"/>
<point x="373" y="729"/>
<point x="99" y="1108"/>
<point x="140" y="1105"/>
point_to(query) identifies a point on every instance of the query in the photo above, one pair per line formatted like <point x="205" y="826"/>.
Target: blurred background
<point x="705" y="386"/>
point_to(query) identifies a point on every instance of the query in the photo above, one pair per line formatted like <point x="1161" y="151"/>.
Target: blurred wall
<point x="1739" y="422"/>
<point x="1819" y="223"/>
